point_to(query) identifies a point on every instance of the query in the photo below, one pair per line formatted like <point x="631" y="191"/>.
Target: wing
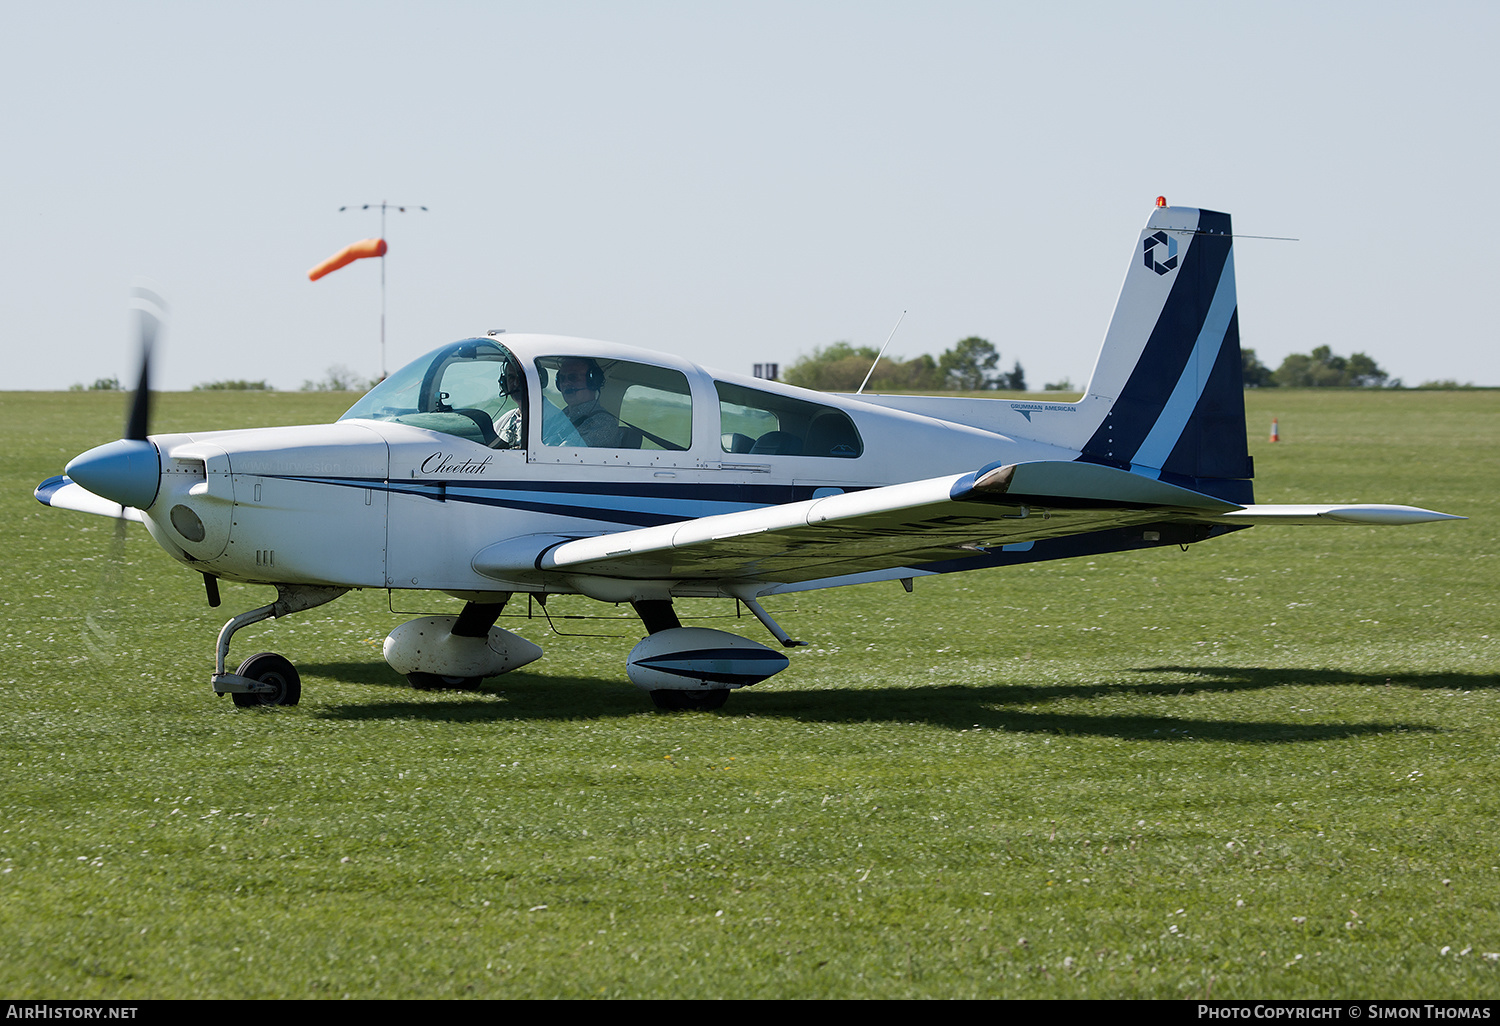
<point x="872" y="529"/>
<point x="935" y="521"/>
<point x="62" y="493"/>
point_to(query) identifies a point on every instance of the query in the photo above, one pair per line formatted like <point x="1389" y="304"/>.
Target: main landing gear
<point x="474" y="621"/>
<point x="453" y="652"/>
<point x="695" y="668"/>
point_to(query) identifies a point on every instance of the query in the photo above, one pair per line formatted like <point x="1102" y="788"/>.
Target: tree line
<point x="338" y="379"/>
<point x="972" y="365"/>
<point x="1322" y="368"/>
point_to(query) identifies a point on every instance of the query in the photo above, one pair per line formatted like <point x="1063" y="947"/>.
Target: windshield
<point x="474" y="389"/>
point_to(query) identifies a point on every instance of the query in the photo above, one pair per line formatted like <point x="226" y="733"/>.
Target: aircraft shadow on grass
<point x="1005" y="707"/>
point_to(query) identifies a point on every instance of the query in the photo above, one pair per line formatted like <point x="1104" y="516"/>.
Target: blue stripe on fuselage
<point x="636" y="504"/>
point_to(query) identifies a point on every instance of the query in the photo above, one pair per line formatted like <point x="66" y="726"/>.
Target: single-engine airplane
<point x="519" y="463"/>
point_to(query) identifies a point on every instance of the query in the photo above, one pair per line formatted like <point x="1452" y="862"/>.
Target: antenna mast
<point x="878" y="355"/>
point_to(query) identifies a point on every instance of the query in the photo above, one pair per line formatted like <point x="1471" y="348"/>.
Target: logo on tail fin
<point x="1149" y="246"/>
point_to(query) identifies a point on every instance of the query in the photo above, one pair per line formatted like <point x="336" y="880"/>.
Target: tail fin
<point x="1169" y="369"/>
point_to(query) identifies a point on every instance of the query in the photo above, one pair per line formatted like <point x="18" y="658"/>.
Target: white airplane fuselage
<point x="379" y="504"/>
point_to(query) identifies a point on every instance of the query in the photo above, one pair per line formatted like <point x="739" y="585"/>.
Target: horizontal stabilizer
<point x="1073" y="483"/>
<point x="1347" y="515"/>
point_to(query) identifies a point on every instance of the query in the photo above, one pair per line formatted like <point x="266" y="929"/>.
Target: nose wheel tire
<point x="270" y="668"/>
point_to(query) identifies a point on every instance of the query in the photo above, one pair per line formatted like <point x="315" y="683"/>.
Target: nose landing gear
<point x="267" y="678"/>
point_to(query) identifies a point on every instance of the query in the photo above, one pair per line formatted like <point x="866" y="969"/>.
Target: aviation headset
<point x="595" y="374"/>
<point x="511" y="369"/>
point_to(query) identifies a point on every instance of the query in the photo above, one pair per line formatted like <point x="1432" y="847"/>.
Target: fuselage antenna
<point x="878" y="355"/>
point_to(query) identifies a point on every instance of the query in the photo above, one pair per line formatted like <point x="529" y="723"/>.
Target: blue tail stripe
<point x="1165" y="355"/>
<point x="1174" y="418"/>
<point x="1213" y="444"/>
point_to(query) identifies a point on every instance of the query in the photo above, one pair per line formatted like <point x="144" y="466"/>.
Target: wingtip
<point x="1388" y="515"/>
<point x="1371" y="515"/>
<point x="48" y="488"/>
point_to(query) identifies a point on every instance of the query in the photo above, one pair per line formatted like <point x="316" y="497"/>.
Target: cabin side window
<point x="767" y="424"/>
<point x="614" y="404"/>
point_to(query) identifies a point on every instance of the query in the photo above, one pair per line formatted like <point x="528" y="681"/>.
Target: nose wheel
<point x="269" y="669"/>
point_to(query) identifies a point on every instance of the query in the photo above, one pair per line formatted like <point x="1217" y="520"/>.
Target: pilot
<point x="508" y="428"/>
<point x="579" y="381"/>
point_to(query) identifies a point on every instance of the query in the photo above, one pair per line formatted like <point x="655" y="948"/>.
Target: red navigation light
<point x="1161" y="201"/>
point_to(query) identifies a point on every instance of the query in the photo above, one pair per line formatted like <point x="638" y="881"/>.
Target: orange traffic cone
<point x="1275" y="430"/>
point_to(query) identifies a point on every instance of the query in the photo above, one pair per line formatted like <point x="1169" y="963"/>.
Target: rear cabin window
<point x="614" y="404"/>
<point x="766" y="424"/>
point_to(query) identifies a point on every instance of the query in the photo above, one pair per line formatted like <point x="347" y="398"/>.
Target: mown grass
<point x="1259" y="768"/>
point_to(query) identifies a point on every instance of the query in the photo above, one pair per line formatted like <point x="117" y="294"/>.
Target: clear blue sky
<point x="735" y="182"/>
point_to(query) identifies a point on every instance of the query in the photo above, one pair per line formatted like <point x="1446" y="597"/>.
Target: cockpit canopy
<point x="477" y="389"/>
<point x="474" y="389"/>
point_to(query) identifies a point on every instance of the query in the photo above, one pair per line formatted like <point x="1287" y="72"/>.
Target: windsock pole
<point x="384" y="206"/>
<point x="382" y="301"/>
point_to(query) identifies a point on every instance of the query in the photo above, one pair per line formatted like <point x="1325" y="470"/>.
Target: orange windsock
<point x="347" y="255"/>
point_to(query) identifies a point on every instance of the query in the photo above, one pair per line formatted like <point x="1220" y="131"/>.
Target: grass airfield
<point x="1263" y="767"/>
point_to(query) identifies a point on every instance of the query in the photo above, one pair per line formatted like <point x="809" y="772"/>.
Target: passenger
<point x="579" y="381"/>
<point x="508" y="428"/>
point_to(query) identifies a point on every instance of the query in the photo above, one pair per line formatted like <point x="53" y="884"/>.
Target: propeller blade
<point x="128" y="470"/>
<point x="101" y="624"/>
<point x="139" y="417"/>
<point x="149" y="309"/>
